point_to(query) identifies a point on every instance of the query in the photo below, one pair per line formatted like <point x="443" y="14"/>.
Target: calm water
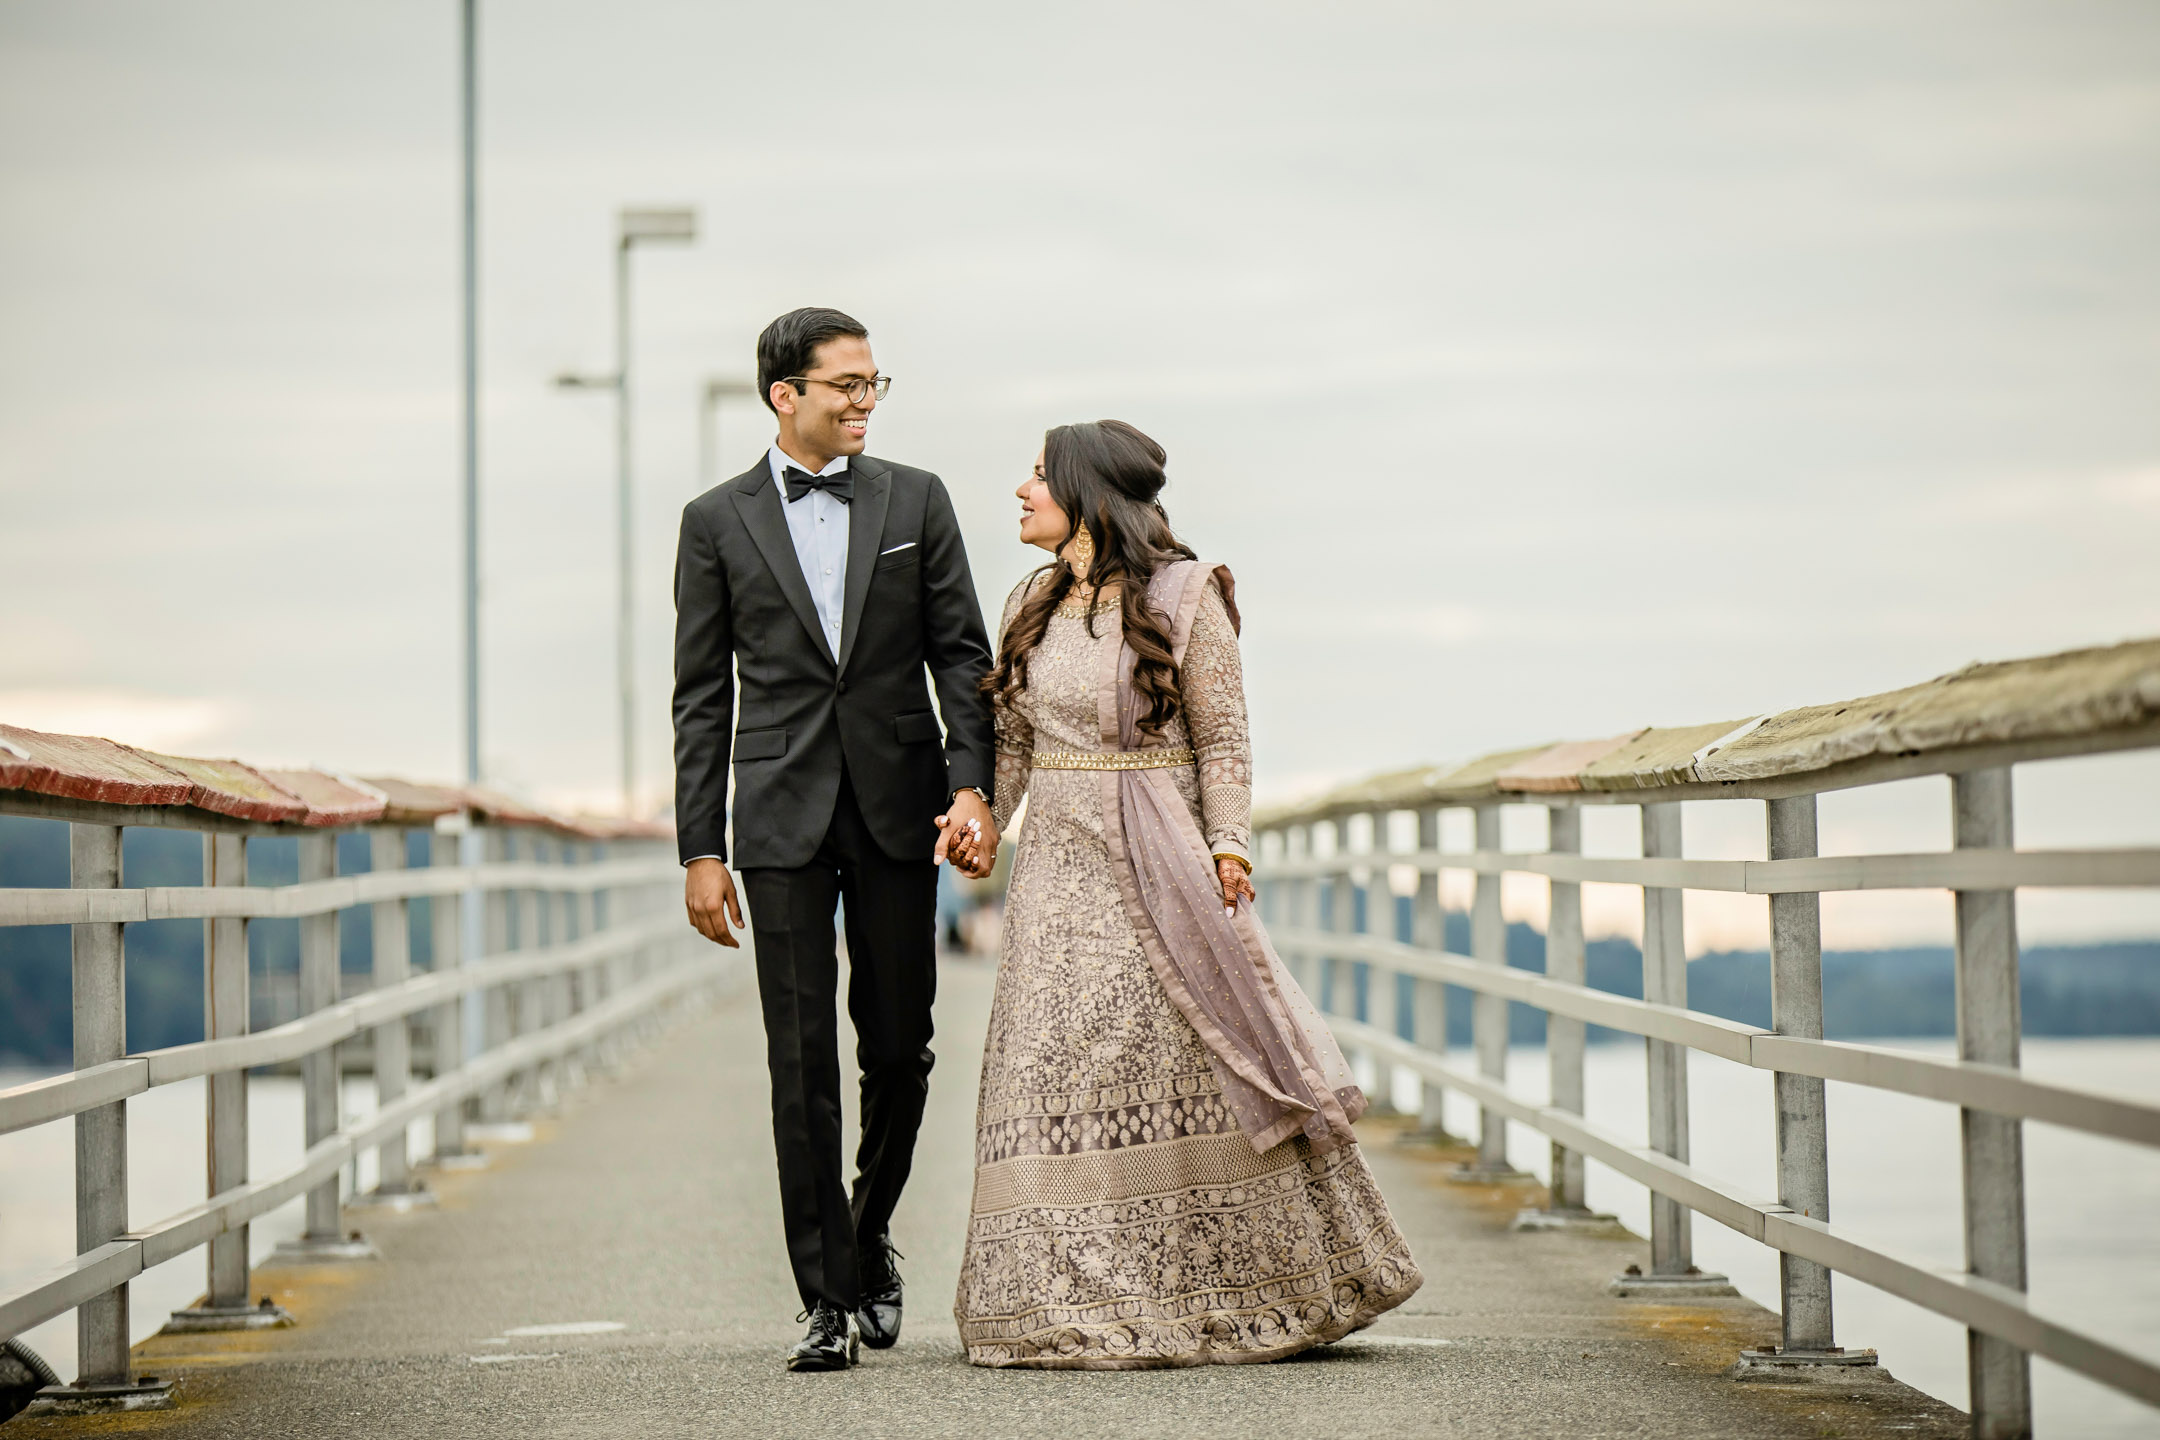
<point x="2095" y="1255"/>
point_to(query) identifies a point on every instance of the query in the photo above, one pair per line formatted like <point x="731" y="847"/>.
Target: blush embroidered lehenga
<point x="1165" y="1171"/>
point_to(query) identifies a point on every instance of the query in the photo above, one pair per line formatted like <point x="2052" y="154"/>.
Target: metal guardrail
<point x="558" y="945"/>
<point x="1973" y="727"/>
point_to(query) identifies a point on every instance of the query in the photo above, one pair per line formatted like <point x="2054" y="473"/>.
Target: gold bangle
<point x="1227" y="855"/>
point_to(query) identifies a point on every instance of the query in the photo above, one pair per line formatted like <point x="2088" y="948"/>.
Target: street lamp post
<point x="637" y="227"/>
<point x="469" y="262"/>
<point x="716" y="390"/>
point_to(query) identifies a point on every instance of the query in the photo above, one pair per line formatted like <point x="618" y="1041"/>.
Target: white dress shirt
<point x="818" y="524"/>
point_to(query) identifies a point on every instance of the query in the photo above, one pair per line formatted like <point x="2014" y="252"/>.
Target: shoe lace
<point x="823" y="1313"/>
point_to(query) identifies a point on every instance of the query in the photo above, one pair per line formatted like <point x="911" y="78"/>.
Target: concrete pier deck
<point x="641" y="1230"/>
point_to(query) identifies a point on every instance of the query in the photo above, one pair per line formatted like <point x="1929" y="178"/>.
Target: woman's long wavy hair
<point x="1105" y="475"/>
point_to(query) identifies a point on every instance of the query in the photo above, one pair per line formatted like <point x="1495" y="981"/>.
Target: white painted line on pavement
<point x="568" y="1327"/>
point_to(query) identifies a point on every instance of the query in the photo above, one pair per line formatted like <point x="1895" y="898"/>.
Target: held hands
<point x="1236" y="881"/>
<point x="968" y="836"/>
<point x="709" y="896"/>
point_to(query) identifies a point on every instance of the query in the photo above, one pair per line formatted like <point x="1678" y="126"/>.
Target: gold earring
<point x="1082" y="553"/>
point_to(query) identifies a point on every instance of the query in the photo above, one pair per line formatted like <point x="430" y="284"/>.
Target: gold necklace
<point x="1080" y="600"/>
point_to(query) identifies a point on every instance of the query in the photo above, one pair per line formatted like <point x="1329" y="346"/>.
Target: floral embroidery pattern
<point x="1120" y="1219"/>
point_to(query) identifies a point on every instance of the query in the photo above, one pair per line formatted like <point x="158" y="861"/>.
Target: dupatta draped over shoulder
<point x="1282" y="1074"/>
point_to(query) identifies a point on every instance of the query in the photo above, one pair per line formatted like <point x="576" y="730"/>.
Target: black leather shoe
<point x="831" y="1343"/>
<point x="878" y="1316"/>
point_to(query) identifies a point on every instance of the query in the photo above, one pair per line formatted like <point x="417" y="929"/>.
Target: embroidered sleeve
<point x="1214" y="690"/>
<point x="1015" y="738"/>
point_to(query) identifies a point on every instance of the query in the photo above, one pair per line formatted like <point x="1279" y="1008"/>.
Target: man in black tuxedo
<point x="831" y="581"/>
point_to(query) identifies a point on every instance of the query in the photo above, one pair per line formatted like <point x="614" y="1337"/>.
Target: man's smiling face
<point x="822" y="419"/>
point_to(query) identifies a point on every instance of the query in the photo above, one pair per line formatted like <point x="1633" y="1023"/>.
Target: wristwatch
<point x="974" y="790"/>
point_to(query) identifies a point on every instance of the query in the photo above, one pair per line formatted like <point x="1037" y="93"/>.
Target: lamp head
<point x="677" y="224"/>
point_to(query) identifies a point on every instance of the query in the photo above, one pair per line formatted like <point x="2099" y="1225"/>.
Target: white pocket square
<point x="896" y="549"/>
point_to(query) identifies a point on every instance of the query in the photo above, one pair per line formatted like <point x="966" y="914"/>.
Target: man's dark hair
<point x="789" y="345"/>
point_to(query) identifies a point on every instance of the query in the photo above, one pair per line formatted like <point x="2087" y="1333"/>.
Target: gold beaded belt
<point x="1112" y="759"/>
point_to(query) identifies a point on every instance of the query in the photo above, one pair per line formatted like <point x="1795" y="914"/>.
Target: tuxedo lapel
<point x="866" y="532"/>
<point x="759" y="505"/>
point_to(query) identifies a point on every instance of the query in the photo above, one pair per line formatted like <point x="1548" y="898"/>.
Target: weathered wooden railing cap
<point x="100" y="772"/>
<point x="230" y="787"/>
<point x="332" y="800"/>
<point x="616" y="827"/>
<point x="83" y="767"/>
<point x="104" y="772"/>
<point x="409" y="803"/>
<point x="2079" y="700"/>
<point x="495" y="808"/>
<point x="2078" y="692"/>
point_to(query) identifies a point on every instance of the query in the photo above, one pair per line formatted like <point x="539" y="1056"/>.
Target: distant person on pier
<point x="1166" y="1173"/>
<point x="835" y="588"/>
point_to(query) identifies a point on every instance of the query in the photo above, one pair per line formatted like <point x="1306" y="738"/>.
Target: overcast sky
<point x="1543" y="370"/>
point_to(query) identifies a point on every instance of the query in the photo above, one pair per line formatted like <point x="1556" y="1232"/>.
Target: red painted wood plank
<point x="330" y="801"/>
<point x="84" y="767"/>
<point x="411" y="803"/>
<point x="228" y="787"/>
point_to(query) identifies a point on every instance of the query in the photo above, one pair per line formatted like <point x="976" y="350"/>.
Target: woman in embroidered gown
<point x="1165" y="1170"/>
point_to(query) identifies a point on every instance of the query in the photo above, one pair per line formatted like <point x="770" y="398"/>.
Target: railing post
<point x="2000" y="1375"/>
<point x="1381" y="986"/>
<point x="575" y="985"/>
<point x="392" y="1038"/>
<point x="1301" y="905"/>
<point x="561" y="906"/>
<point x="1803" y="1146"/>
<point x="592" y="980"/>
<point x="1565" y="962"/>
<point x="101" y="1171"/>
<point x="448" y="926"/>
<point x="225" y="1014"/>
<point x="1428" y="1021"/>
<point x="495" y="999"/>
<point x="319" y="1071"/>
<point x="527" y="995"/>
<point x="1664" y="960"/>
<point x="1803" y="1133"/>
<point x="325" y="1237"/>
<point x="1336" y="976"/>
<point x="1489" y="1013"/>
<point x="602" y="914"/>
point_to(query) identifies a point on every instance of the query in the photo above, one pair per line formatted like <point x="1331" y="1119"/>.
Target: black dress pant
<point x="892" y="958"/>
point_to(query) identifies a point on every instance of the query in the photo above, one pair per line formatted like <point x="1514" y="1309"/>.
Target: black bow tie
<point x="840" y="485"/>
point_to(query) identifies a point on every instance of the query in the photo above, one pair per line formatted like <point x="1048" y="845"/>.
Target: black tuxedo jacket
<point x="742" y="605"/>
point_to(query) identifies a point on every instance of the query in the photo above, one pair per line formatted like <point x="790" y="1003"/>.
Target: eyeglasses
<point x="856" y="388"/>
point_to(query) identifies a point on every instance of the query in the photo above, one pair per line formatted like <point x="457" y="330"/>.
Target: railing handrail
<point x="57" y="906"/>
<point x="55" y="1097"/>
<point x="2116" y="868"/>
<point x="1975" y="1086"/>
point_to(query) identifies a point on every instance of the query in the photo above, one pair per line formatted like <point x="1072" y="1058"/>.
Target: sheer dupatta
<point x="1281" y="1072"/>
